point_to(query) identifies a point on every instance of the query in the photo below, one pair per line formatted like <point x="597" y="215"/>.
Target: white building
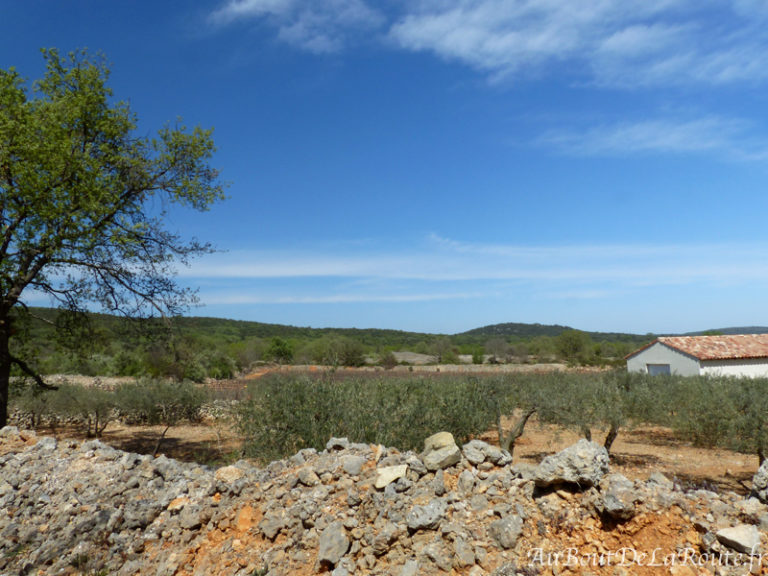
<point x="734" y="355"/>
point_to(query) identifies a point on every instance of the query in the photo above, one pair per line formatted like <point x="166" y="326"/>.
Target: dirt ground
<point x="636" y="452"/>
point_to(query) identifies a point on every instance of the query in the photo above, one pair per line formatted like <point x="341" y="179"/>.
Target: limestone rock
<point x="388" y="474"/>
<point x="477" y="452"/>
<point x="438" y="441"/>
<point x="440" y="451"/>
<point x="760" y="482"/>
<point x="337" y="444"/>
<point x="426" y="517"/>
<point x="353" y="465"/>
<point x="583" y="463"/>
<point x="506" y="531"/>
<point x="333" y="544"/>
<point x="228" y="474"/>
<point x="618" y="497"/>
<point x="742" y="538"/>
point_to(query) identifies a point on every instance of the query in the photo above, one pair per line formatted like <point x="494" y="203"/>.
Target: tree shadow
<point x="208" y="452"/>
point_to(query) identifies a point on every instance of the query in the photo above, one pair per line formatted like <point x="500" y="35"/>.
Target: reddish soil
<point x="636" y="452"/>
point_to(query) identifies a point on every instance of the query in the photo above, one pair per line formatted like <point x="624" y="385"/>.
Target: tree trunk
<point x="5" y="369"/>
<point x="508" y="442"/>
<point x="610" y="437"/>
<point x="159" y="440"/>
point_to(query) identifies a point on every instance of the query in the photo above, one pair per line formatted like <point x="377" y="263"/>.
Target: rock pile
<point x="84" y="508"/>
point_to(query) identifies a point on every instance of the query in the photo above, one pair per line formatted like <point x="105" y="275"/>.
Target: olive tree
<point x="83" y="198"/>
<point x="154" y="401"/>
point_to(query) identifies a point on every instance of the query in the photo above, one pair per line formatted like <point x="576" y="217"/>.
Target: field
<point x="636" y="453"/>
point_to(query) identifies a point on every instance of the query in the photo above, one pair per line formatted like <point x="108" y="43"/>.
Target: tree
<point x="82" y="201"/>
<point x="160" y="402"/>
<point x="498" y="348"/>
<point x="442" y="350"/>
<point x="573" y="344"/>
<point x="280" y="350"/>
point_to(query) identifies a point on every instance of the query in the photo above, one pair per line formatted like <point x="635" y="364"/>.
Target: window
<point x="658" y="369"/>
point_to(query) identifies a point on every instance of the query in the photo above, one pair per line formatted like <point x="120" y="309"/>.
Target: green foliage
<point x="498" y="348"/>
<point x="573" y="344"/>
<point x="33" y="405"/>
<point x="284" y="414"/>
<point x="82" y="203"/>
<point x="714" y="411"/>
<point x="91" y="407"/>
<point x="199" y="348"/>
<point x="280" y="351"/>
<point x="388" y="360"/>
<point x="152" y="401"/>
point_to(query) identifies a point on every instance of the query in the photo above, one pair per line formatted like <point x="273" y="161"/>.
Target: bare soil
<point x="636" y="453"/>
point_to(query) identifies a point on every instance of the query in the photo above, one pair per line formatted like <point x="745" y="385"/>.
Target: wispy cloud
<point x="726" y="137"/>
<point x="633" y="43"/>
<point x="467" y="281"/>
<point x="442" y="260"/>
<point x="320" y="26"/>
<point x="620" y="44"/>
<point x="337" y="298"/>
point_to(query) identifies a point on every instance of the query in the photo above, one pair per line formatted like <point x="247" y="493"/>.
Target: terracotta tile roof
<point x="736" y="346"/>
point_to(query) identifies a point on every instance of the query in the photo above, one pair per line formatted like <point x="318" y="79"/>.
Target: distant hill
<point x="226" y="330"/>
<point x="528" y="331"/>
<point x="517" y="329"/>
<point x="729" y="331"/>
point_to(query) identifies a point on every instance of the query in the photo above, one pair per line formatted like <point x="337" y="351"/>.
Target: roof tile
<point x="730" y="347"/>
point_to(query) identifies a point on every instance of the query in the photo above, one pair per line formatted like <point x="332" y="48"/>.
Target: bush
<point x="92" y="406"/>
<point x="89" y="406"/>
<point x="280" y="351"/>
<point x="160" y="402"/>
<point x="388" y="360"/>
<point x="30" y="404"/>
<point x="286" y="413"/>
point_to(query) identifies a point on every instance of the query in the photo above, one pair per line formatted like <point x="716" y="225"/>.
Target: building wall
<point x="752" y="368"/>
<point x="658" y="353"/>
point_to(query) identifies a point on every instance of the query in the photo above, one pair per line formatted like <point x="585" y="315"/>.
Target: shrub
<point x="388" y="360"/>
<point x="280" y="351"/>
<point x="160" y="402"/>
<point x="286" y="413"/>
<point x="89" y="406"/>
<point x="31" y="404"/>
<point x="92" y="406"/>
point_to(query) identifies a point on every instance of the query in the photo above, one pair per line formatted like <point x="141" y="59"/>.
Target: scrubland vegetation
<point x="199" y="348"/>
<point x="282" y="413"/>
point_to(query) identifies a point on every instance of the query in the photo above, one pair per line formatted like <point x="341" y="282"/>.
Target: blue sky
<point x="439" y="165"/>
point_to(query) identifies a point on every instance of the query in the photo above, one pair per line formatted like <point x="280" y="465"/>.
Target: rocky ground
<point x="82" y="507"/>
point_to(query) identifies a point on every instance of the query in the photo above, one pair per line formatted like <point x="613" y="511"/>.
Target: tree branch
<point x="31" y="373"/>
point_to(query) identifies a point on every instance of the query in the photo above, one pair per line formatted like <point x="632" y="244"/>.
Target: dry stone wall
<point x="69" y="507"/>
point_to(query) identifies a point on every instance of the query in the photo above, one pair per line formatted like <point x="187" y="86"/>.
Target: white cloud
<point x="446" y="261"/>
<point x="729" y="137"/>
<point x="625" y="44"/>
<point x="239" y="9"/>
<point x="442" y="269"/>
<point x="342" y="298"/>
<point x="319" y="26"/>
